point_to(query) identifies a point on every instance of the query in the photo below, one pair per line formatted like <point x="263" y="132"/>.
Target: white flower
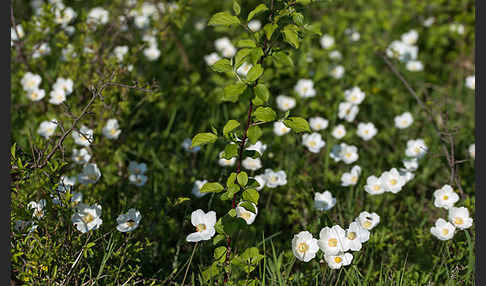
<point x="244" y="69"/>
<point x="410" y="38"/>
<point x="152" y="53"/>
<point x="211" y="59"/>
<point x="128" y="221"/>
<point x="120" y="52"/>
<point x="251" y="164"/>
<point x="285" y="103"/>
<point x="445" y="197"/>
<point x="368" y="220"/>
<point x="254" y="25"/>
<point x="366" y="130"/>
<point x="30" y="81"/>
<point x="149" y="39"/>
<point x="275" y="179"/>
<point x="458" y="28"/>
<point x="354" y="95"/>
<point x="137" y="179"/>
<point x="355" y="230"/>
<point x="90" y="174"/>
<point x="351" y="178"/>
<point x="68" y="52"/>
<point x="225" y="162"/>
<point x="64" y="16"/>
<point x="472" y="150"/>
<point x="258" y="146"/>
<point x="41" y="50"/>
<point x="69" y="30"/>
<point x="47" y="128"/>
<point x="304" y="246"/>
<point x="81" y="156"/>
<point x="471" y="82"/>
<point x="332" y="240"/>
<point x="324" y="201"/>
<point x="355" y="36"/>
<point x="416" y="148"/>
<point x="407" y="175"/>
<point x="305" y="88"/>
<point x="327" y="41"/>
<point x="459" y="217"/>
<point x="443" y="230"/>
<point x="200" y="25"/>
<point x="313" y="142"/>
<point x="66" y="183"/>
<point x="339" y="260"/>
<point x="187" y="143"/>
<point x="97" y="16"/>
<point x="402" y="51"/>
<point x="261" y="181"/>
<point x="318" y="123"/>
<point x="339" y="131"/>
<point x="225" y="47"/>
<point x="84" y="137"/>
<point x="65" y="84"/>
<point x="429" y="21"/>
<point x="196" y="189"/>
<point x="404" y="120"/>
<point x="337" y="72"/>
<point x="38" y="208"/>
<point x="137" y="168"/>
<point x="36" y="94"/>
<point x="347" y="111"/>
<point x="392" y="181"/>
<point x="349" y="153"/>
<point x="374" y="186"/>
<point x="87" y="217"/>
<point x="411" y="164"/>
<point x="58" y="96"/>
<point x="204" y="223"/>
<point x="141" y="21"/>
<point x="111" y="129"/>
<point x="335" y="55"/>
<point x="280" y="129"/>
<point x="13" y="33"/>
<point x="245" y="214"/>
<point x="415" y="66"/>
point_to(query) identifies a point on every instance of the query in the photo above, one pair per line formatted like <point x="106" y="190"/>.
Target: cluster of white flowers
<point x="30" y="84"/>
<point x="40" y="49"/>
<point x="457" y="28"/>
<point x="406" y="51"/>
<point x="62" y="87"/>
<point x="445" y="197"/>
<point x="120" y="52"/>
<point x="152" y="52"/>
<point x="143" y="15"/>
<point x="349" y="108"/>
<point x="344" y="152"/>
<point x="97" y="16"/>
<point x="84" y="137"/>
<point x="111" y="129"/>
<point x="224" y="47"/>
<point x="66" y="184"/>
<point x="335" y="242"/>
<point x="136" y="173"/>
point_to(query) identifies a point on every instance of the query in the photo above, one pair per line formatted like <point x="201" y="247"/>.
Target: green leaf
<point x="218" y="238"/>
<point x="291" y="35"/>
<point x="297" y="124"/>
<point x="212" y="188"/>
<point x="232" y="224"/>
<point x="265" y="114"/>
<point x="255" y="55"/>
<point x="251" y="195"/>
<point x="223" y="19"/>
<point x="261" y="91"/>
<point x="220" y="253"/>
<point x="254" y="133"/>
<point x="303" y="2"/>
<point x="242" y="178"/>
<point x="236" y="7"/>
<point x="248" y="206"/>
<point x="232" y="212"/>
<point x="255" y="72"/>
<point x="180" y="200"/>
<point x="298" y="18"/>
<point x="260" y="8"/>
<point x="230" y="126"/>
<point x="223" y="65"/>
<point x="233" y="91"/>
<point x="230" y="151"/>
<point x="203" y="138"/>
<point x="231" y="179"/>
<point x="314" y="28"/>
<point x="246" y="43"/>
<point x="240" y="56"/>
<point x="282" y="59"/>
<point x="269" y="29"/>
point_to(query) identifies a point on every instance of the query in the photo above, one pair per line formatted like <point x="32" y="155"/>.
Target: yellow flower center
<point x="376" y="187"/>
<point x="38" y="213"/>
<point x="338" y="259"/>
<point x="458" y="221"/>
<point x="352" y="235"/>
<point x="332" y="242"/>
<point x="445" y="231"/>
<point x="273" y="179"/>
<point x="354" y="98"/>
<point x="130" y="223"/>
<point x="245" y="215"/>
<point x="348" y="155"/>
<point x="113" y="131"/>
<point x="404" y="122"/>
<point x="302" y="247"/>
<point x="393" y="182"/>
<point x="312" y="143"/>
<point x="88" y="218"/>
<point x="417" y="149"/>
<point x="446" y="198"/>
<point x="34" y="95"/>
<point x="200" y="227"/>
<point x="354" y="179"/>
<point x="367" y="224"/>
<point x="366" y="131"/>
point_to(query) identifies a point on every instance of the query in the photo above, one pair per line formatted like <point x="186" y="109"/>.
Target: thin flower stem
<point x="188" y="265"/>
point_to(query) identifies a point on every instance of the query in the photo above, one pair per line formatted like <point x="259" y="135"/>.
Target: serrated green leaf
<point x="223" y="19"/>
<point x="212" y="188"/>
<point x="251" y="195"/>
<point x="255" y="72"/>
<point x="269" y="29"/>
<point x="203" y="138"/>
<point x="232" y="212"/>
<point x="242" y="178"/>
<point x="297" y="124"/>
<point x="291" y="35"/>
<point x="230" y="126"/>
<point x="260" y="8"/>
<point x="254" y="133"/>
<point x="298" y="18"/>
<point x="233" y="91"/>
<point x="223" y="65"/>
<point x="265" y="114"/>
<point x="236" y="7"/>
